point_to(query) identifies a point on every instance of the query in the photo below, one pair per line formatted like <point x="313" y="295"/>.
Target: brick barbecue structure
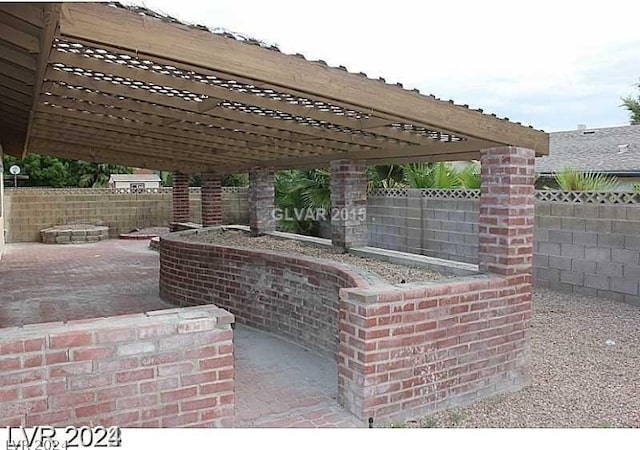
<point x="126" y="85"/>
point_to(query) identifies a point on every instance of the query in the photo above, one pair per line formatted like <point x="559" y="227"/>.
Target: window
<point x="137" y="188"/>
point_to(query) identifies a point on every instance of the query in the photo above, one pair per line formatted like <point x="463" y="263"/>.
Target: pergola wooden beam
<point x="173" y="115"/>
<point x="96" y="153"/>
<point x="218" y="94"/>
<point x="147" y="125"/>
<point x="123" y="141"/>
<point x="149" y="36"/>
<point x="304" y="132"/>
<point x="97" y="124"/>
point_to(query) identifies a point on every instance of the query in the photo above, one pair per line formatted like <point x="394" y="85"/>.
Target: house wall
<point x="30" y="210"/>
<point x="127" y="184"/>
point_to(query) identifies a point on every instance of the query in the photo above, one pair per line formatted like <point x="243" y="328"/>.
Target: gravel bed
<point x="577" y="378"/>
<point x="392" y="273"/>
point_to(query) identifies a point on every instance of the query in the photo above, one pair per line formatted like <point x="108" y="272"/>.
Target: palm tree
<point x="470" y="176"/>
<point x="633" y="105"/>
<point x="385" y="177"/>
<point x="301" y="190"/>
<point x="96" y="175"/>
<point x="441" y="175"/>
<point x="570" y="179"/>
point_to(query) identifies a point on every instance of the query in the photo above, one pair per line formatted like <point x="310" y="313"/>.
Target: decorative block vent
<point x="609" y="198"/>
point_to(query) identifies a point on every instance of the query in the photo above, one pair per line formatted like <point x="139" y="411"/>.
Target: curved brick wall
<point x="295" y="297"/>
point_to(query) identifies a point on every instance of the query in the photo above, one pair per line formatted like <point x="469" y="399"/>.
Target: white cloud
<point x="552" y="64"/>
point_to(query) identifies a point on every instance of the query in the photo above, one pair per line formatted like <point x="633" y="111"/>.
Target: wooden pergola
<point x="125" y="85"/>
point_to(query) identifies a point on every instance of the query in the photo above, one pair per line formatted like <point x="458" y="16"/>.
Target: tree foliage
<point x="299" y="190"/>
<point x="633" y="105"/>
<point x="442" y="175"/>
<point x="58" y="172"/>
<point x="385" y="177"/>
<point x="569" y="179"/>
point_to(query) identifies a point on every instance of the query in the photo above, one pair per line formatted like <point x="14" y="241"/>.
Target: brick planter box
<point x="402" y="351"/>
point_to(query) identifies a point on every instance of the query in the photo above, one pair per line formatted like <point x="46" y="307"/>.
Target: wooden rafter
<point x="121" y="29"/>
<point x="303" y="132"/>
<point x="218" y="94"/>
<point x="51" y="18"/>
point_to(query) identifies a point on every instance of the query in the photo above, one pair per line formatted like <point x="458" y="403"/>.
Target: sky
<point x="549" y="64"/>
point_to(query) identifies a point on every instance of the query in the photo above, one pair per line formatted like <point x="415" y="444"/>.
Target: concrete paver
<point x="280" y="384"/>
<point x="48" y="283"/>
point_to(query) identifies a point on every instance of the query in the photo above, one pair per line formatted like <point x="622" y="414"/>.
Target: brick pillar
<point x="211" y="200"/>
<point x="349" y="204"/>
<point x="261" y="200"/>
<point x="180" y="195"/>
<point x="507" y="211"/>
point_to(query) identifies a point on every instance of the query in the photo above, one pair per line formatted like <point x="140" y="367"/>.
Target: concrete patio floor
<point x="278" y="384"/>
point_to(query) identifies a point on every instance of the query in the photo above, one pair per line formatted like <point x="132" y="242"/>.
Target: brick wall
<point x="349" y="203"/>
<point x="30" y="210"/>
<point x="180" y="211"/>
<point x="166" y="368"/>
<point x="261" y="200"/>
<point x="408" y="351"/>
<point x="402" y="351"/>
<point x="295" y="297"/>
<point x="211" y="200"/>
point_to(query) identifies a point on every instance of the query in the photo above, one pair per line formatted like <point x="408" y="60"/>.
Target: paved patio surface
<point x="278" y="384"/>
<point x="46" y="283"/>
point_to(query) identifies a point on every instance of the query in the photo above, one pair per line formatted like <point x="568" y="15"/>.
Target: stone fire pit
<point x="74" y="234"/>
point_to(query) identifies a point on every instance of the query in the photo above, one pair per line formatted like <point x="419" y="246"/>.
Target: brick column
<point x="507" y="211"/>
<point x="180" y="196"/>
<point x="211" y="200"/>
<point x="261" y="200"/>
<point x="349" y="204"/>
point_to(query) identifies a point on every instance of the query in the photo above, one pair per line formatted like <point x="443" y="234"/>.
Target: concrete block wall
<point x="410" y="222"/>
<point x="590" y="249"/>
<point x="168" y="368"/>
<point x="292" y="296"/>
<point x="586" y="248"/>
<point x="27" y="211"/>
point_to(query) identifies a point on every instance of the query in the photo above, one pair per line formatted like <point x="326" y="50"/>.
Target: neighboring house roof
<point x="612" y="150"/>
<point x="133" y="177"/>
